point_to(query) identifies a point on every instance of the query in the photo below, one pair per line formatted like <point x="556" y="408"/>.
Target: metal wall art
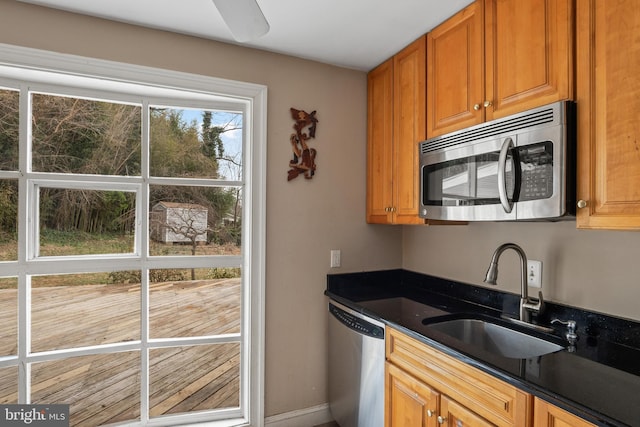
<point x="304" y="158"/>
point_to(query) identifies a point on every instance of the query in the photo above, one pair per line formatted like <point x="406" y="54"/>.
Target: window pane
<point x="8" y="220"/>
<point x="83" y="222"/>
<point x="76" y="310"/>
<point x="212" y="380"/>
<point x="8" y="317"/>
<point x="194" y="302"/>
<point x="100" y="389"/>
<point x="9" y="129"/>
<point x="8" y="385"/>
<point x="196" y="143"/>
<point x="195" y="220"/>
<point x="73" y="135"/>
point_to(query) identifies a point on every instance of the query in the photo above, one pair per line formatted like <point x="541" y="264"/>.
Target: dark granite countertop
<point x="598" y="380"/>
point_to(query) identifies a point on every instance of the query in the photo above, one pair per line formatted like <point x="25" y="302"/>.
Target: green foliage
<point x="223" y="273"/>
<point x="60" y="243"/>
<point x="9" y="129"/>
<point x="8" y="208"/>
<point x="83" y="136"/>
<point x="155" y="276"/>
<point x="176" y="147"/>
<point x="212" y="145"/>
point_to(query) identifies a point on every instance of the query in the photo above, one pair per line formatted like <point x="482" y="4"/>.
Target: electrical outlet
<point x="534" y="273"/>
<point x="335" y="258"/>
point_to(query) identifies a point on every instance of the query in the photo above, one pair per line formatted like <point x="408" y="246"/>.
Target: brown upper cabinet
<point x="608" y="96"/>
<point x="496" y="58"/>
<point x="396" y="123"/>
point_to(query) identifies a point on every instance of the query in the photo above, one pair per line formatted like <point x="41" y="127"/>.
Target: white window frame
<point x="50" y="72"/>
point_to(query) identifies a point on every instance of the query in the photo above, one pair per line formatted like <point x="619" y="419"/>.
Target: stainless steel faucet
<point x="527" y="305"/>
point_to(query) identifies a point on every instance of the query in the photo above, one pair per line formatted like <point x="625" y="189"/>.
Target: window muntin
<point x="245" y="98"/>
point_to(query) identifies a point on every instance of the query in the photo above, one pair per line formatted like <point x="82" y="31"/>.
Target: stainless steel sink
<point x="495" y="339"/>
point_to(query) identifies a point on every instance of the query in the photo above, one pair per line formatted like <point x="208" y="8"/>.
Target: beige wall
<point x="305" y="218"/>
<point x="598" y="270"/>
<point x="595" y="270"/>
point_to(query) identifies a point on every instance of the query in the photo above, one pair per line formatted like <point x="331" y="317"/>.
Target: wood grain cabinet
<point x="608" y="97"/>
<point x="548" y="415"/>
<point x="425" y="387"/>
<point x="496" y="58"/>
<point x="411" y="402"/>
<point x="396" y="123"/>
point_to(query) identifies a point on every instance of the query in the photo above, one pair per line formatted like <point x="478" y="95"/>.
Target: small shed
<point x="178" y="222"/>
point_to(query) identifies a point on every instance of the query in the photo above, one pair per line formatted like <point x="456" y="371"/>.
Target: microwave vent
<point x="527" y="120"/>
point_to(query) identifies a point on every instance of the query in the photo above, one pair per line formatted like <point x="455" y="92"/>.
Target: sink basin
<point x="495" y="338"/>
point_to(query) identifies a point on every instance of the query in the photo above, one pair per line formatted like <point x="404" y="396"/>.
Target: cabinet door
<point x="409" y="117"/>
<point x="380" y="143"/>
<point x="408" y="402"/>
<point x="455" y="72"/>
<point x="529" y="51"/>
<point x="548" y="415"/>
<point x="452" y="414"/>
<point x="608" y="105"/>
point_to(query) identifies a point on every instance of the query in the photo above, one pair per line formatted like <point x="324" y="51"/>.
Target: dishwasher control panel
<point x="356" y="323"/>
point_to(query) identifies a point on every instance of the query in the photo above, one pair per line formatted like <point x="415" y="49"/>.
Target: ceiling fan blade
<point x="244" y="18"/>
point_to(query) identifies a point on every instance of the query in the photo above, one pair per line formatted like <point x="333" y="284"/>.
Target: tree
<point x="184" y="221"/>
<point x="9" y="129"/>
<point x="84" y="136"/>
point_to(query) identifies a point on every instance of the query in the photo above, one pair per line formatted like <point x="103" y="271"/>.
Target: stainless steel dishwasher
<point x="356" y="368"/>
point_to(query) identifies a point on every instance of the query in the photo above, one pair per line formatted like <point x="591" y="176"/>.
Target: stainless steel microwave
<point x="520" y="167"/>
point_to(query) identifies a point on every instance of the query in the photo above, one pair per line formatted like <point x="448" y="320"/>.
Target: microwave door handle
<point x="502" y="173"/>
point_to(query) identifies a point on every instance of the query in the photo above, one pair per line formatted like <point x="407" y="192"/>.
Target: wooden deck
<point x="105" y="388"/>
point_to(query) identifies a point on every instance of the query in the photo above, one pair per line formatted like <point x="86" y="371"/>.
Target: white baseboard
<point x="307" y="417"/>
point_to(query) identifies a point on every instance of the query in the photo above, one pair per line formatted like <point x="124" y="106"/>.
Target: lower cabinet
<point x="427" y="388"/>
<point x="548" y="415"/>
<point x="410" y="402"/>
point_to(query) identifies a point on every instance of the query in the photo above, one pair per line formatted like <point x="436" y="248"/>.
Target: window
<point x="131" y="241"/>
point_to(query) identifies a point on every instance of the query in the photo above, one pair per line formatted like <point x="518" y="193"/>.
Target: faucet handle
<point x="538" y="306"/>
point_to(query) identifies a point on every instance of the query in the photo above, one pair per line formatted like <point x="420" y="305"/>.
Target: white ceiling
<point x="358" y="34"/>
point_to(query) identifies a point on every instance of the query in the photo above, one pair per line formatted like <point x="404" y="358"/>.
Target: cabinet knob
<point x="487" y="104"/>
<point x="476" y="107"/>
<point x="441" y="419"/>
<point x="429" y="413"/>
<point x="582" y="204"/>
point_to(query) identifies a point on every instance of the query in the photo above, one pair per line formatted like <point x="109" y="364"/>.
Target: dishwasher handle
<point x="356" y="323"/>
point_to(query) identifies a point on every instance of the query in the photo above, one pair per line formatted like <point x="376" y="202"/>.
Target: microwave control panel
<point x="536" y="165"/>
